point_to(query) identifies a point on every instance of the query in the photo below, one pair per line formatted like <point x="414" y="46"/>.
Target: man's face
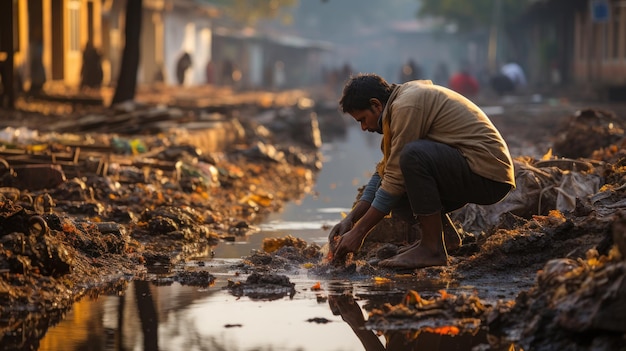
<point x="368" y="118"/>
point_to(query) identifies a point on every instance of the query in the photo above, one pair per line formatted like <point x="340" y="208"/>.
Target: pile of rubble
<point x="89" y="210"/>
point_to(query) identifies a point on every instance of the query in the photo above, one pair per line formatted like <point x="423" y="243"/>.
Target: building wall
<point x="59" y="31"/>
<point x="600" y="47"/>
<point x="151" y="59"/>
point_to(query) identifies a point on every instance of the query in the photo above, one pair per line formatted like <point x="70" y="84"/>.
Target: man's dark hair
<point x="361" y="88"/>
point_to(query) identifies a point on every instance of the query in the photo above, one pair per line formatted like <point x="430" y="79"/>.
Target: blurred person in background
<point x="91" y="72"/>
<point x="442" y="74"/>
<point x="509" y="79"/>
<point x="463" y="82"/>
<point x="182" y="65"/>
<point x="515" y="73"/>
<point x="411" y="70"/>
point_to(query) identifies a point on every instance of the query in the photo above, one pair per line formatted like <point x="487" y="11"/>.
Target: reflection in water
<point x="81" y="327"/>
<point x="174" y="317"/>
<point x="398" y="339"/>
<point x="351" y="313"/>
<point x="147" y="316"/>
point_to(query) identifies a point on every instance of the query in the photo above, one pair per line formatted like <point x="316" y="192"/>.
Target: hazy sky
<point x="357" y="29"/>
<point x="338" y="20"/>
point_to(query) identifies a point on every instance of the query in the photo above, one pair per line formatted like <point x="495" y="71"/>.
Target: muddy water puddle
<point x="187" y="318"/>
<point x="149" y="316"/>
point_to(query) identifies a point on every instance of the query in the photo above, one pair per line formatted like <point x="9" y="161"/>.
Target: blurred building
<point x="580" y="43"/>
<point x="261" y="60"/>
<point x="171" y="28"/>
<point x="49" y="37"/>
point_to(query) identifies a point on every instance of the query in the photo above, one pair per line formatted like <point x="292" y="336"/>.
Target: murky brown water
<point x="179" y="317"/>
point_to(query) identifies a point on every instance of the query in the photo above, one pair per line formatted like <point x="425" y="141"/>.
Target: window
<point x="73" y="7"/>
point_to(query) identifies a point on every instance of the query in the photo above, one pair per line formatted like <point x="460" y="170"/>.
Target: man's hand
<point x="345" y="244"/>
<point x="347" y="223"/>
<point x="346" y="237"/>
<point x="339" y="229"/>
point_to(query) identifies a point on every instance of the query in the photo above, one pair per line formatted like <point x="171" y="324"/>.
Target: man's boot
<point x="430" y="251"/>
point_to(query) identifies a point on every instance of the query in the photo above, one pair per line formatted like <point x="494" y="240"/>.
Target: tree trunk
<point x="127" y="80"/>
<point x="7" y="97"/>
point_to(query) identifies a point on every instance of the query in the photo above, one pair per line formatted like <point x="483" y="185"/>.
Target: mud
<point x="547" y="265"/>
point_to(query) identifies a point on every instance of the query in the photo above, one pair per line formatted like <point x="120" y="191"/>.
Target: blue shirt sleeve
<point x="370" y="189"/>
<point x="384" y="202"/>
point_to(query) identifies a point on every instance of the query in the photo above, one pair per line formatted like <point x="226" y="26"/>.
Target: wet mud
<point x="542" y="270"/>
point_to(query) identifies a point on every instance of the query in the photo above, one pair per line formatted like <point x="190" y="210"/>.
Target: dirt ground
<point x="557" y="241"/>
